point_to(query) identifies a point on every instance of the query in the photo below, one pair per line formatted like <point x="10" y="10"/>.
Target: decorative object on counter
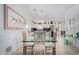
<point x="77" y="34"/>
<point x="44" y="22"/>
<point x="51" y="22"/>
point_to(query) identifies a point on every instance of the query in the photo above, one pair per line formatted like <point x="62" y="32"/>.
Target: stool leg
<point x="32" y="50"/>
<point x="54" y="49"/>
<point x="24" y="50"/>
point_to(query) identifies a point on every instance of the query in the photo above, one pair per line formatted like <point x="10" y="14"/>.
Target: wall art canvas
<point x="12" y="19"/>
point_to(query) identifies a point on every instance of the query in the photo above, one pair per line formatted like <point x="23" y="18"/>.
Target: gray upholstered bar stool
<point x="29" y="49"/>
<point x="48" y="48"/>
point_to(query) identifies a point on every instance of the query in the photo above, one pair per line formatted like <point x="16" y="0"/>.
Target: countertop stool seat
<point x="29" y="48"/>
<point x="49" y="48"/>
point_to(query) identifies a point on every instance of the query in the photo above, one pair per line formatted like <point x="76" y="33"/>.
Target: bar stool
<point x="29" y="49"/>
<point x="48" y="50"/>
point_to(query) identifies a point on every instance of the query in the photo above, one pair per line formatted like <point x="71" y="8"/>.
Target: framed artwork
<point x="12" y="19"/>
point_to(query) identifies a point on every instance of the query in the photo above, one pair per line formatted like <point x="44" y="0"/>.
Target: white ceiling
<point x="54" y="11"/>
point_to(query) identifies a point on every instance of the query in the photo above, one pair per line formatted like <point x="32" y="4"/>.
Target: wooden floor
<point x="61" y="49"/>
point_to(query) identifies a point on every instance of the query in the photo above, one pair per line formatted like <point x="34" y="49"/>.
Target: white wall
<point x="22" y="9"/>
<point x="72" y="14"/>
<point x="8" y="37"/>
